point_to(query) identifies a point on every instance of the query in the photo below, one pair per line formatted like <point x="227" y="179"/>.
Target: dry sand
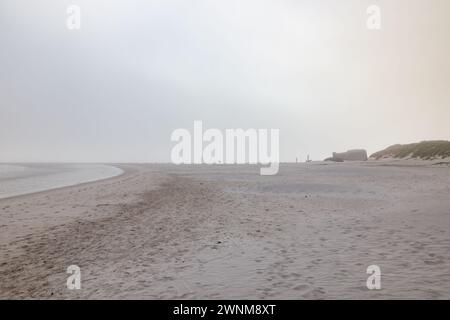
<point x="180" y="232"/>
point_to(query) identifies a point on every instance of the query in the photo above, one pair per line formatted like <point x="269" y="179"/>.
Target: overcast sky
<point x="115" y="90"/>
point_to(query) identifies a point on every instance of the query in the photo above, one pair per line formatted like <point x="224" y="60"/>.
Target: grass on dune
<point x="424" y="150"/>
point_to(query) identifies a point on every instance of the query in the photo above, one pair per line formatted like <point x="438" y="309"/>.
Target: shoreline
<point x="26" y="193"/>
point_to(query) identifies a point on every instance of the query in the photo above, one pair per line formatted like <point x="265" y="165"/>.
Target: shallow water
<point x="18" y="179"/>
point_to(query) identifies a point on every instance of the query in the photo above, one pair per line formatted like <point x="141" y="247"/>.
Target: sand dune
<point x="162" y="231"/>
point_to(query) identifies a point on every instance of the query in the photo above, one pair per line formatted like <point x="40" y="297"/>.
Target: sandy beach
<point x="225" y="232"/>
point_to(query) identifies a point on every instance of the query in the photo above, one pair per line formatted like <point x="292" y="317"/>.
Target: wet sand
<point x="191" y="232"/>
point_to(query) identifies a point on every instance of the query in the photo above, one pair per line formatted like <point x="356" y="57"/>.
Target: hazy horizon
<point x="115" y="90"/>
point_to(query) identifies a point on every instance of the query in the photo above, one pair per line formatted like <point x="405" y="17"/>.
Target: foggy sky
<point x="137" y="70"/>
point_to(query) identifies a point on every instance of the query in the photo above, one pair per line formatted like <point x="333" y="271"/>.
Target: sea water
<point x="19" y="179"/>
